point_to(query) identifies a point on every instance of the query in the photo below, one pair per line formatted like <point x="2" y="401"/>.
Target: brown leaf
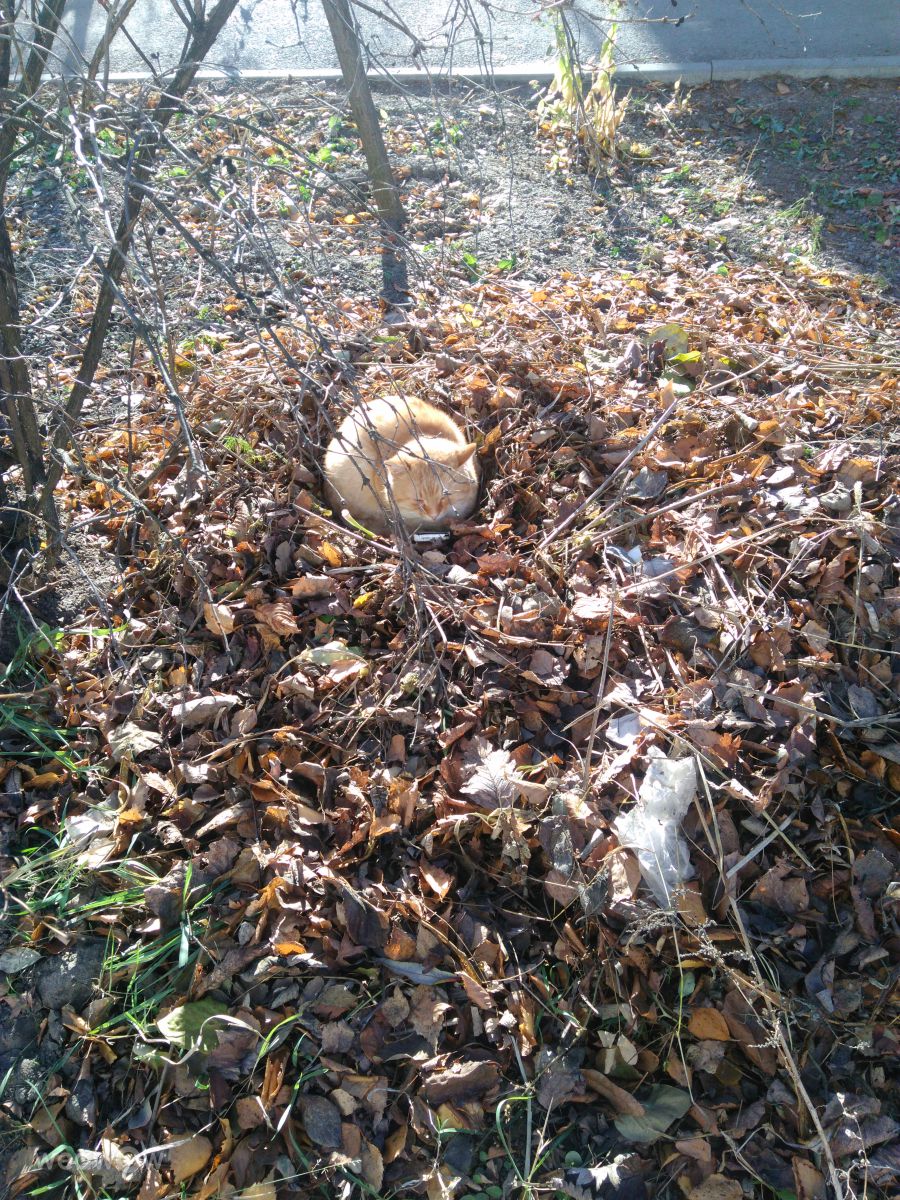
<point x="311" y="587"/>
<point x="232" y="962"/>
<point x="872" y="872"/>
<point x="460" y="1082"/>
<point x="497" y="564"/>
<point x="427" y="1013"/>
<point x="372" y="1167"/>
<point x="808" y="1181"/>
<point x="493" y="782"/>
<point x="337" y="1037"/>
<point x="816" y="637"/>
<point x="546" y="669"/>
<point x="277" y="616"/>
<point x="857" y="470"/>
<point x="594" y="607"/>
<point x="401" y="946"/>
<point x="747" y="1029"/>
<point x="440" y="882"/>
<point x="690" y="905"/>
<point x="152" y="1185"/>
<point x="219" y="618"/>
<point x="372" y="1090"/>
<point x="717" y="1187"/>
<point x="249" y="1112"/>
<point x="479" y="995"/>
<point x="395" y="1143"/>
<point x="708" y="1023"/>
<point x="441" y="1184"/>
<point x="188" y="1155"/>
<point x="264" y="1190"/>
<point x="722" y="748"/>
<point x="203" y="710"/>
<point x="394" y="1010"/>
<point x="697" y="1148"/>
<point x="558" y="1081"/>
<point x="335" y="1000"/>
<point x="781" y="890"/>
<point x="623" y="1102"/>
<point x="853" y="1136"/>
<point x="365" y="924"/>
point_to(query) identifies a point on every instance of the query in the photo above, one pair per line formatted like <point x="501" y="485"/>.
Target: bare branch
<point x="140" y="170"/>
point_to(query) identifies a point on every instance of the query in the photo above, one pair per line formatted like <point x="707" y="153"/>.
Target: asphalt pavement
<point x="714" y="39"/>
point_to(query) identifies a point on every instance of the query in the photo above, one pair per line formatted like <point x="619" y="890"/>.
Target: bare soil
<point x="740" y="173"/>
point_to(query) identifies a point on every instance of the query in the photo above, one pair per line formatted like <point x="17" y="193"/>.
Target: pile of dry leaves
<point x="349" y="849"/>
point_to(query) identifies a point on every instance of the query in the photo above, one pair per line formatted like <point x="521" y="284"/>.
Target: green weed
<point x="240" y="447"/>
<point x="440" y="132"/>
<point x="25" y="707"/>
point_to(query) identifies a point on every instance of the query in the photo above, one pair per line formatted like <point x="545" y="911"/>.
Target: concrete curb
<point x="882" y="66"/>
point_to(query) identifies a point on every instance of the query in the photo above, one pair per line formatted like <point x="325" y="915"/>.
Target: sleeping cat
<point x="407" y="450"/>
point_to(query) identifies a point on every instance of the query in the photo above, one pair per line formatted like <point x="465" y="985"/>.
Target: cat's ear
<point x="397" y="462"/>
<point x="397" y="465"/>
<point x="462" y="455"/>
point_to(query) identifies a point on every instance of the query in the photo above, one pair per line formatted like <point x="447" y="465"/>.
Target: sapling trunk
<point x="347" y="45"/>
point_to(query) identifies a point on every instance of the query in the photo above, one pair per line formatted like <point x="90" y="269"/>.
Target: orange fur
<point x="407" y="451"/>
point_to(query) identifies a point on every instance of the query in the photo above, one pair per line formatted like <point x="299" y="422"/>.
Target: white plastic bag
<point x="651" y="828"/>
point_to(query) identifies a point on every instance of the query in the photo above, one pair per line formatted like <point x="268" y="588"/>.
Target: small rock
<point x="69" y="978"/>
<point x="17" y="1032"/>
<point x="459" y="1153"/>
<point x="25" y="1085"/>
<point x="81" y="1106"/>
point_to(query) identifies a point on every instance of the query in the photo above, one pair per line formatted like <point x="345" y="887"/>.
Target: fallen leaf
<point x="18" y="958"/>
<point x="264" y="1190"/>
<point x="132" y="740"/>
<point x="708" y="1023"/>
<point x="193" y="1026"/>
<point x="311" y="587"/>
<point x="188" y="1155"/>
<point x="717" y="1187"/>
<point x="460" y="1082"/>
<point x="203" y="710"/>
<point x="663" y="1106"/>
<point x="278" y="616"/>
<point x="622" y="1179"/>
<point x="747" y="1029"/>
<point x="321" y="1120"/>
<point x="219" y="618"/>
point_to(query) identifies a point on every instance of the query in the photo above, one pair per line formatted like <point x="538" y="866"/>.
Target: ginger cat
<point x="407" y="451"/>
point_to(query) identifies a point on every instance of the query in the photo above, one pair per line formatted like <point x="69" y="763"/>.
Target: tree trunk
<point x="346" y="43"/>
<point x="15" y="378"/>
<point x="345" y="36"/>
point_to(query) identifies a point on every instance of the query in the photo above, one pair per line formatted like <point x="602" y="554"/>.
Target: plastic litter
<point x="651" y="828"/>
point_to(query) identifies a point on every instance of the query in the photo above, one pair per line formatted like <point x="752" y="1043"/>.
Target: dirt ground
<point x="741" y="173"/>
